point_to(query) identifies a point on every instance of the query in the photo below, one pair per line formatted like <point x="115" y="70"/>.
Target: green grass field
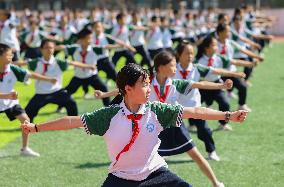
<point x="252" y="155"/>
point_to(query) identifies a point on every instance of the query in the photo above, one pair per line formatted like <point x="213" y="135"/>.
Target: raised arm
<point x="81" y="65"/>
<point x="65" y="123"/>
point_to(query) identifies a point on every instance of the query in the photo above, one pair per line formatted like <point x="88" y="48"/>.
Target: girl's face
<point x="140" y="92"/>
<point x="98" y="28"/>
<point x="226" y="33"/>
<point x="187" y="55"/>
<point x="168" y="70"/>
<point x="87" y="40"/>
<point x="212" y="49"/>
<point x="48" y="49"/>
<point x="6" y="57"/>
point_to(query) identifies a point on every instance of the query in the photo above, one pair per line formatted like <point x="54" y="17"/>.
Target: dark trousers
<point x="204" y="133"/>
<point x="32" y="53"/>
<point x="154" y="52"/>
<point x="127" y="54"/>
<point x="93" y="81"/>
<point x="61" y="98"/>
<point x="145" y="55"/>
<point x="218" y="96"/>
<point x="107" y="66"/>
<point x="159" y="178"/>
<point x="241" y="87"/>
<point x="247" y="70"/>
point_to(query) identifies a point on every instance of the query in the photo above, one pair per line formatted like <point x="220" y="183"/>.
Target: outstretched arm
<point x="210" y="114"/>
<point x="100" y="95"/>
<point x="228" y="84"/>
<point x="227" y="73"/>
<point x="65" y="123"/>
<point x="37" y="76"/>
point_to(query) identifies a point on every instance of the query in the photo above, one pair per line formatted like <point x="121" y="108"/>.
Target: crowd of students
<point x="191" y="58"/>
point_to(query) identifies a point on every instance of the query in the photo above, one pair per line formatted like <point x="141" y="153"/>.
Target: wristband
<point x="227" y="116"/>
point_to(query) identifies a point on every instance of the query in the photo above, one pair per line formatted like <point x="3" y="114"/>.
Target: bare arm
<point x="37" y="76"/>
<point x="251" y="54"/>
<point x="227" y="73"/>
<point x="250" y="42"/>
<point x="11" y="95"/>
<point x="65" y="123"/>
<point x="100" y="95"/>
<point x="243" y="63"/>
<point x="203" y="165"/>
<point x="210" y="114"/>
<point x="213" y="86"/>
<point x="81" y="65"/>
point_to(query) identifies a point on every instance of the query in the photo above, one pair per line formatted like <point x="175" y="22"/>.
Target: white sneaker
<point x="245" y="107"/>
<point x="226" y="127"/>
<point x="213" y="156"/>
<point x="232" y="95"/>
<point x="29" y="152"/>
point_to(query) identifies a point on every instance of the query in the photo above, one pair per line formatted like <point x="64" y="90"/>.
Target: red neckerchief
<point x="32" y="37"/>
<point x="210" y="61"/>
<point x="84" y="56"/>
<point x="134" y="118"/>
<point x="120" y="31"/>
<point x="164" y="97"/>
<point x="223" y="50"/>
<point x="3" y="74"/>
<point x="184" y="73"/>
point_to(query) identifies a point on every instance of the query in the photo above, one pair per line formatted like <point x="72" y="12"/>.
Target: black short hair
<point x="45" y="41"/>
<point x="129" y="75"/>
<point x="4" y="48"/>
<point x="221" y="16"/>
<point x="120" y="15"/>
<point x="163" y="58"/>
<point x="221" y="28"/>
<point x="83" y="33"/>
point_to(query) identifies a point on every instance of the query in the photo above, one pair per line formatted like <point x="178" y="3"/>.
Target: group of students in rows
<point x="179" y="83"/>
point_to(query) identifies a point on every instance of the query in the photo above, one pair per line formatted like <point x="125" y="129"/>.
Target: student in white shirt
<point x="137" y="39"/>
<point x="8" y="33"/>
<point x="133" y="142"/>
<point x="154" y="37"/>
<point x="206" y="56"/>
<point x="9" y="103"/>
<point x="46" y="92"/>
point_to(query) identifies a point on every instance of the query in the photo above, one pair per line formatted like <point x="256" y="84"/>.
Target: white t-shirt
<point x="12" y="75"/>
<point x="142" y="158"/>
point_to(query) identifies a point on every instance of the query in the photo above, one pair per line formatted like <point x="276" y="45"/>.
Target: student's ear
<point x="128" y="89"/>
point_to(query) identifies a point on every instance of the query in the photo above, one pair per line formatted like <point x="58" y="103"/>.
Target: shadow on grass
<point x="10" y="130"/>
<point x="179" y="161"/>
<point x="89" y="165"/>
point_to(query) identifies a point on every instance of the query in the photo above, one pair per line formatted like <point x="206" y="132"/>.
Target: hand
<point x="93" y="67"/>
<point x="132" y="49"/>
<point x="260" y="58"/>
<point x="99" y="94"/>
<point x="28" y="127"/>
<point x="228" y="84"/>
<point x="53" y="80"/>
<point x="241" y="75"/>
<point x="12" y="95"/>
<point x="239" y="116"/>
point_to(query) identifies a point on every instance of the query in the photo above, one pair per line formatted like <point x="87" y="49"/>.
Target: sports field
<point x="252" y="155"/>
